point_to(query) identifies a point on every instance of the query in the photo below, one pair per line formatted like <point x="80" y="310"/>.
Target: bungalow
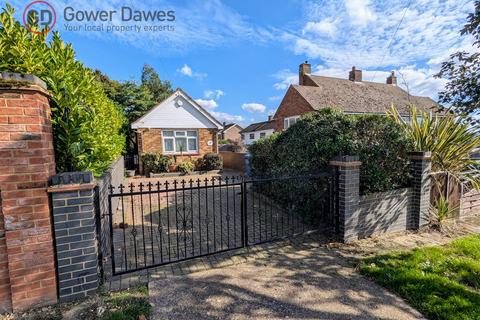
<point x="352" y="95"/>
<point x="258" y="130"/>
<point x="177" y="126"/>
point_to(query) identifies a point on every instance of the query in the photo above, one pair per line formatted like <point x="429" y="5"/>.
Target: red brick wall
<point x="233" y="134"/>
<point x="150" y="141"/>
<point x="27" y="269"/>
<point x="293" y="104"/>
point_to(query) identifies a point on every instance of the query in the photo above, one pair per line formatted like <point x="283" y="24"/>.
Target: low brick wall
<point x="114" y="176"/>
<point x="396" y="210"/>
<point x="382" y="212"/>
<point x="233" y="160"/>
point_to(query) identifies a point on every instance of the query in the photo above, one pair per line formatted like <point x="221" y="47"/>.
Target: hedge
<point x="86" y="124"/>
<point x="309" y="145"/>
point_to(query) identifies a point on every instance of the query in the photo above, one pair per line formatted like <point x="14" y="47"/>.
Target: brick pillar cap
<point x="345" y="161"/>
<point x="420" y="155"/>
<point x="22" y="82"/>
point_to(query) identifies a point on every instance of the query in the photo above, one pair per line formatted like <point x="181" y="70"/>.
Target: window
<point x="262" y="134"/>
<point x="180" y="141"/>
<point x="242" y="136"/>
<point x="252" y="135"/>
<point x="288" y="122"/>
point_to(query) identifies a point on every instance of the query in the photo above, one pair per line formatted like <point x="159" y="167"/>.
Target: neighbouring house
<point x="179" y="127"/>
<point x="231" y="132"/>
<point x="352" y="95"/>
<point x="258" y="130"/>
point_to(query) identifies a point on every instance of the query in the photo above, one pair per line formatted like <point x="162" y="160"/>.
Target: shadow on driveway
<point x="296" y="282"/>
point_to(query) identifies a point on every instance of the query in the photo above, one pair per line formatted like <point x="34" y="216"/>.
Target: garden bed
<point x="441" y="282"/>
<point x="177" y="174"/>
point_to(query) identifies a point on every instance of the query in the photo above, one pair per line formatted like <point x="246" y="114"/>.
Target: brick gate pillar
<point x="73" y="209"/>
<point x="420" y="169"/>
<point x="348" y="193"/>
<point x="27" y="268"/>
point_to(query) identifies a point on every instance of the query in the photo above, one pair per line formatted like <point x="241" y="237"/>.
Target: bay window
<point x="178" y="141"/>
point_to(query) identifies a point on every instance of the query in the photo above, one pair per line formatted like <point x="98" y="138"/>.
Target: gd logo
<point x="39" y="13"/>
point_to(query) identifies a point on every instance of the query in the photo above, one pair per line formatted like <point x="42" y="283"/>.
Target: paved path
<point x="300" y="281"/>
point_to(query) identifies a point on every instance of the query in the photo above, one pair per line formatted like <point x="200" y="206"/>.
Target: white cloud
<point x="186" y="70"/>
<point x="254" y="107"/>
<point x="275" y="98"/>
<point x="286" y="78"/>
<point x="360" y="12"/>
<point x="428" y="34"/>
<point x="324" y="27"/>
<point x="197" y="25"/>
<point x="209" y="104"/>
<point x="217" y="94"/>
<point x="222" y="116"/>
<point x="428" y="30"/>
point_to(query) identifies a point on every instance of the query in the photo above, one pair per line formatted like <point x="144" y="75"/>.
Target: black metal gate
<point x="154" y="224"/>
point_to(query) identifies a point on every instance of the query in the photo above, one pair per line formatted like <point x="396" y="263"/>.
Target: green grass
<point x="127" y="304"/>
<point x="441" y="282"/>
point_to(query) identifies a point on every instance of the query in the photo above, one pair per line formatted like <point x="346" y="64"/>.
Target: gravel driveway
<point x="295" y="282"/>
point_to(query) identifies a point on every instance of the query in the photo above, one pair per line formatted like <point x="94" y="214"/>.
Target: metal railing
<point x="158" y="223"/>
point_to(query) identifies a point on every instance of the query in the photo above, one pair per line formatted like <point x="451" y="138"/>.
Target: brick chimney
<point x="303" y="69"/>
<point x="270" y="117"/>
<point x="355" y="75"/>
<point x="392" y="79"/>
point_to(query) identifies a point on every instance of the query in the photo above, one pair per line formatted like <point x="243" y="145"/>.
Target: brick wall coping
<point x="22" y="82"/>
<point x="71" y="181"/>
<point x="71" y="187"/>
<point x="345" y="164"/>
<point x="420" y="155"/>
<point x="345" y="161"/>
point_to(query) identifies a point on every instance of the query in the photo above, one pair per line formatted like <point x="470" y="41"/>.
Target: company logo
<point x="41" y="14"/>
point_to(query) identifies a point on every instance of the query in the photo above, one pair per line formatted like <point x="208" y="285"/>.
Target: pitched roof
<point x="359" y="97"/>
<point x="265" y="125"/>
<point x="148" y="117"/>
<point x="230" y="125"/>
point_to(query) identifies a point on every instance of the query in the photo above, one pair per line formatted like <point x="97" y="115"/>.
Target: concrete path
<point x="296" y="282"/>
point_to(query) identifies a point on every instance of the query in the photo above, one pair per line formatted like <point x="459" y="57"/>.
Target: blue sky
<point x="238" y="57"/>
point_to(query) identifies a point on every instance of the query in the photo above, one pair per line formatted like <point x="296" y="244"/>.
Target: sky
<point x="238" y="57"/>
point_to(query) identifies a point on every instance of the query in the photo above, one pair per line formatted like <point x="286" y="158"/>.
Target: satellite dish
<point x="179" y="103"/>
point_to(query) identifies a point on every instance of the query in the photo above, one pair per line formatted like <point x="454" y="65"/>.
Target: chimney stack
<point x="355" y="75"/>
<point x="270" y="117"/>
<point x="303" y="69"/>
<point x="392" y="79"/>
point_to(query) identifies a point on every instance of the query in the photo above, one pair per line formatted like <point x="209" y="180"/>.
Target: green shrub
<point x="262" y="155"/>
<point x="86" y="124"/>
<point x="155" y="163"/>
<point x="383" y="150"/>
<point x="309" y="145"/>
<point x="212" y="161"/>
<point x="186" y="167"/>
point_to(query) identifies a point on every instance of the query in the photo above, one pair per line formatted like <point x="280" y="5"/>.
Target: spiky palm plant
<point x="450" y="139"/>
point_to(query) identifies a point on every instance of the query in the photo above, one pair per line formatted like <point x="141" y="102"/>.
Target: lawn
<point x="441" y="282"/>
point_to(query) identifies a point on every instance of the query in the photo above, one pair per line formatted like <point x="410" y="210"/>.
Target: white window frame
<point x="263" y="135"/>
<point x="250" y="136"/>
<point x="289" y="121"/>
<point x="180" y="134"/>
